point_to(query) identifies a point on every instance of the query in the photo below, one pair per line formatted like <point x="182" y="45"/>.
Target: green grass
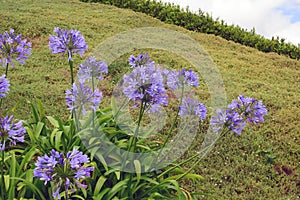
<point x="237" y="168"/>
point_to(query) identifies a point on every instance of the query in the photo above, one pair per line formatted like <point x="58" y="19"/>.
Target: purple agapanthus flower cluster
<point x="9" y="131"/>
<point x="65" y="171"/>
<point x="145" y="84"/>
<point x="240" y="112"/>
<point x="92" y="68"/>
<point x="140" y="60"/>
<point x="70" y="41"/>
<point x="177" y="79"/>
<point x="13" y="47"/>
<point x="4" y="86"/>
<point x="82" y="96"/>
<point x="192" y="107"/>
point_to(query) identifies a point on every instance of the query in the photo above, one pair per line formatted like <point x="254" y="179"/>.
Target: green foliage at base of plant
<point x="46" y="133"/>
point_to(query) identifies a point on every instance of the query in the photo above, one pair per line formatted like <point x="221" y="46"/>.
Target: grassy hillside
<point x="204" y="23"/>
<point x="261" y="164"/>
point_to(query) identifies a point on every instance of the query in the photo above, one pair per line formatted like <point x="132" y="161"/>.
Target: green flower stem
<point x="205" y="149"/>
<point x="71" y="70"/>
<point x="191" y="158"/>
<point x="72" y="77"/>
<point x="123" y="105"/>
<point x="72" y="132"/>
<point x="132" y="146"/>
<point x="76" y="118"/>
<point x="174" y="121"/>
<point x="65" y="172"/>
<point x="66" y="191"/>
<point x="2" y="174"/>
<point x="73" y="111"/>
<point x="6" y="70"/>
<point x="93" y="88"/>
<point x="133" y="140"/>
<point x="172" y="126"/>
<point x="177" y="165"/>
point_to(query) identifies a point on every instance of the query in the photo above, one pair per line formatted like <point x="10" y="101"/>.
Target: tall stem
<point x="123" y="105"/>
<point x="208" y="148"/>
<point x="65" y="171"/>
<point x="72" y="76"/>
<point x="172" y="126"/>
<point x="132" y="146"/>
<point x="132" y="142"/>
<point x="71" y="71"/>
<point x="175" y="119"/>
<point x="6" y="70"/>
<point x="2" y="173"/>
<point x="71" y="66"/>
<point x="66" y="191"/>
<point x="93" y="88"/>
<point x="76" y="118"/>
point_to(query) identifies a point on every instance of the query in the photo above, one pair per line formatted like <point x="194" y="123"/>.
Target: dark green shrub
<point x="204" y="23"/>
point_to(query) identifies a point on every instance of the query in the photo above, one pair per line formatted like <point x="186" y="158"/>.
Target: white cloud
<point x="268" y="17"/>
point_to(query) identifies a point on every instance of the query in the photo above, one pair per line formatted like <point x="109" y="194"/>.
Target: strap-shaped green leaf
<point x="99" y="185"/>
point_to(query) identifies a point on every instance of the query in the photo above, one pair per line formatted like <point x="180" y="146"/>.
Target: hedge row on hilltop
<point x="204" y="23"/>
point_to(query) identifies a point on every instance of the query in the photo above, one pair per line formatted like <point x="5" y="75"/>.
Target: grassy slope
<point x="233" y="170"/>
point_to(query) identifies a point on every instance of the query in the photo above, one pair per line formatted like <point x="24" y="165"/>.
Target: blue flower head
<point x="177" y="79"/>
<point x="140" y="60"/>
<point x="192" y="107"/>
<point x="12" y="47"/>
<point x="67" y="41"/>
<point x="92" y="69"/>
<point x="241" y="111"/>
<point x="64" y="170"/>
<point x="146" y="84"/>
<point x="10" y="131"/>
<point x="82" y="96"/>
<point x="4" y="86"/>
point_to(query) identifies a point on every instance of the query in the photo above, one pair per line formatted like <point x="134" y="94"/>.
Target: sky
<point x="268" y="17"/>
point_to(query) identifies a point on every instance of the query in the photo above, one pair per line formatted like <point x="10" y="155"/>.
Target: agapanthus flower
<point x="4" y="86"/>
<point x="192" y="107"/>
<point x="92" y="68"/>
<point x="82" y="96"/>
<point x="177" y="79"/>
<point x="12" y="47"/>
<point x="240" y="112"/>
<point x="252" y="109"/>
<point x="146" y="84"/>
<point x="218" y="120"/>
<point x="67" y="41"/>
<point x="236" y="122"/>
<point x="190" y="77"/>
<point x="10" y="131"/>
<point x="66" y="171"/>
<point x="172" y="79"/>
<point x="140" y="60"/>
<point x="232" y="120"/>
